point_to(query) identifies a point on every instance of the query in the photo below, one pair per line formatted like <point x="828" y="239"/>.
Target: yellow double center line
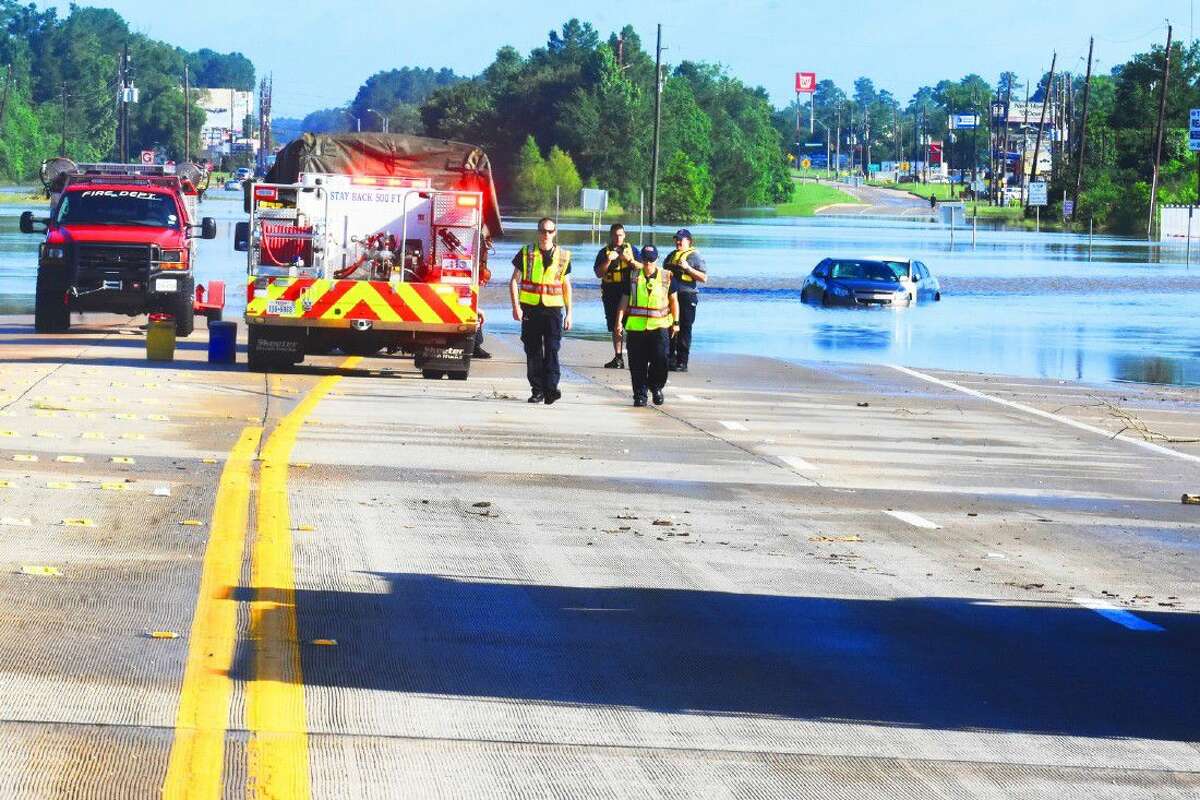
<point x="275" y="710"/>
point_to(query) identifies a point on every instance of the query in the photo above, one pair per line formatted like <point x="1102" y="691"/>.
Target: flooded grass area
<point x="1043" y="305"/>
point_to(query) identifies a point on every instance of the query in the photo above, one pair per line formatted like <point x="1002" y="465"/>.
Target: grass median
<point x="808" y="197"/>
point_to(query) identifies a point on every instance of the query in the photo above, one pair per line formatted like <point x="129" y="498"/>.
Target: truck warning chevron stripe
<point x="301" y="299"/>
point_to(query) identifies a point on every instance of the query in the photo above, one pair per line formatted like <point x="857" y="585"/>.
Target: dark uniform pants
<point x="647" y="352"/>
<point x="541" y="333"/>
<point x="681" y="342"/>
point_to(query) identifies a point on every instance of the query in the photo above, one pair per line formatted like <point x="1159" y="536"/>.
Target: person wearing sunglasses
<point x="688" y="271"/>
<point x="540" y="291"/>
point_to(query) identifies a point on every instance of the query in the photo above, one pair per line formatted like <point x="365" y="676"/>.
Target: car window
<point x="867" y="270"/>
<point x="822" y="270"/>
<point x="922" y="273"/>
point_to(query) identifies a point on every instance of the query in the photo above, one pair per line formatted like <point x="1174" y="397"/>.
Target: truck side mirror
<point x="241" y="237"/>
<point x="208" y="228"/>
<point x="28" y="222"/>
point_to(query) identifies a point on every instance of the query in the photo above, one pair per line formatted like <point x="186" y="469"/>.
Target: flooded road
<point x="1038" y="305"/>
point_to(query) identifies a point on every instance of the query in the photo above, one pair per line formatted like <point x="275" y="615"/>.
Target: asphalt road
<point x="818" y="580"/>
<point x="874" y="202"/>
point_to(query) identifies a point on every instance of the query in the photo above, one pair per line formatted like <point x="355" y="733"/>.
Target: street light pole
<point x="383" y="121"/>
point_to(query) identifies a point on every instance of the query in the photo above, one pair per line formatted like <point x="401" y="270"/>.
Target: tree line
<point x="59" y="87"/>
<point x="580" y="111"/>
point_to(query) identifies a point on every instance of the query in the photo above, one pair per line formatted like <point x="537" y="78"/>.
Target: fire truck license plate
<point x="281" y="307"/>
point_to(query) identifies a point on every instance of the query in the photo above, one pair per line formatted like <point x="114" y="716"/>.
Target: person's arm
<point x="673" y="302"/>
<point x="514" y="289"/>
<point x="566" y="284"/>
<point x="603" y="259"/>
<point x="696" y="269"/>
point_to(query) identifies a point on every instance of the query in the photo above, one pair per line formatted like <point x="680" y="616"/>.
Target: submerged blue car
<point x="881" y="281"/>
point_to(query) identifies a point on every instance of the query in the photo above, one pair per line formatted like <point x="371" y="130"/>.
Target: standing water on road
<point x="1018" y="303"/>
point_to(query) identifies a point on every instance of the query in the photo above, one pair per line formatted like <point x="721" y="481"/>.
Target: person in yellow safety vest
<point x="612" y="268"/>
<point x="688" y="271"/>
<point x="648" y="312"/>
<point x="540" y="291"/>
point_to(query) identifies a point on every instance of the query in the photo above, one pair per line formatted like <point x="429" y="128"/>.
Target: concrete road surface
<point x="816" y="581"/>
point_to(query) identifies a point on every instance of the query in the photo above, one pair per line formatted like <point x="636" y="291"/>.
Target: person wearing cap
<point x="688" y="272"/>
<point x="648" y="312"/>
<point x="540" y="291"/>
<point x="612" y="268"/>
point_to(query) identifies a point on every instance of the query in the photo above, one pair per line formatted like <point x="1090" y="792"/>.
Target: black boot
<point x="618" y="362"/>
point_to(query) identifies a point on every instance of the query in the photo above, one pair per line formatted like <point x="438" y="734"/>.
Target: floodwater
<point x="1045" y="305"/>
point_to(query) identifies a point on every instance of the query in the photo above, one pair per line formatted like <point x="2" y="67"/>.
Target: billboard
<point x="806" y="82"/>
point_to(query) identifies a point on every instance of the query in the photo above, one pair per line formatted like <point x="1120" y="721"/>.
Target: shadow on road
<point x="930" y="662"/>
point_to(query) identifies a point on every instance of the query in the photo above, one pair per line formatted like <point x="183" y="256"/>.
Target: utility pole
<point x="4" y="97"/>
<point x="837" y="164"/>
<point x="1087" y="93"/>
<point x="187" y="116"/>
<point x="125" y="104"/>
<point x="121" y="96"/>
<point x="62" y="142"/>
<point x="1004" y="142"/>
<point x="1037" y="142"/>
<point x="657" y="123"/>
<point x="1158" y="132"/>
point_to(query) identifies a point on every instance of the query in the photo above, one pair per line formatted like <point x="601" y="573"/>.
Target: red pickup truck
<point x="120" y="238"/>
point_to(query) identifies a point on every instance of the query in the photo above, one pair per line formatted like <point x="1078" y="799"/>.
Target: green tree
<point x="533" y="185"/>
<point x="563" y="174"/>
<point x="685" y="193"/>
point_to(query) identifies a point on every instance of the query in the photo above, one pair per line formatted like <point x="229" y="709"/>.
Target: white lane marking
<point x="733" y="425"/>
<point x="914" y="520"/>
<point x="1037" y="412"/>
<point x="1118" y="615"/>
<point x="688" y="398"/>
<point x="798" y="464"/>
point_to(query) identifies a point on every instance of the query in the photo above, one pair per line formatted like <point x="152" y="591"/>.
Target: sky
<point x="320" y="52"/>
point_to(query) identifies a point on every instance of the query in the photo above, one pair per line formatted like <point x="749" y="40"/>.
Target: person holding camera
<point x="612" y="268"/>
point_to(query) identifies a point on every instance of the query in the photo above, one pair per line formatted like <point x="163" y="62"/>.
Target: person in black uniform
<point x="540" y="290"/>
<point x="688" y="272"/>
<point x="612" y="268"/>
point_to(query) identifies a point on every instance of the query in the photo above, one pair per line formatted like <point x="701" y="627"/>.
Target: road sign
<point x="593" y="199"/>
<point x="1195" y="119"/>
<point x="147" y="156"/>
<point x="1068" y="209"/>
<point x="1037" y="194"/>
<point x="805" y="163"/>
<point x="1194" y="141"/>
<point x="806" y="82"/>
<point x="964" y="121"/>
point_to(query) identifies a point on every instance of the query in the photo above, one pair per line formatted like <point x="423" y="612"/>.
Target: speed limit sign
<point x="147" y="156"/>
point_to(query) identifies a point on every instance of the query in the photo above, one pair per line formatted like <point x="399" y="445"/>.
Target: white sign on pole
<point x="1037" y="194"/>
<point x="147" y="156"/>
<point x="593" y="200"/>
<point x="1194" y="131"/>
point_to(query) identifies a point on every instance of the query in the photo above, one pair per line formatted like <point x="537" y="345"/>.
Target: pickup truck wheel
<point x="432" y="374"/>
<point x="51" y="314"/>
<point x="185" y="310"/>
<point x="457" y="376"/>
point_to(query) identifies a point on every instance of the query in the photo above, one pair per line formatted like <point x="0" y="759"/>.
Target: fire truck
<point x="368" y="242"/>
<point x="121" y="238"/>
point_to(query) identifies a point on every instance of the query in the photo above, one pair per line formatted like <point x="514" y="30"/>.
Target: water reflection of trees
<point x="1154" y="369"/>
